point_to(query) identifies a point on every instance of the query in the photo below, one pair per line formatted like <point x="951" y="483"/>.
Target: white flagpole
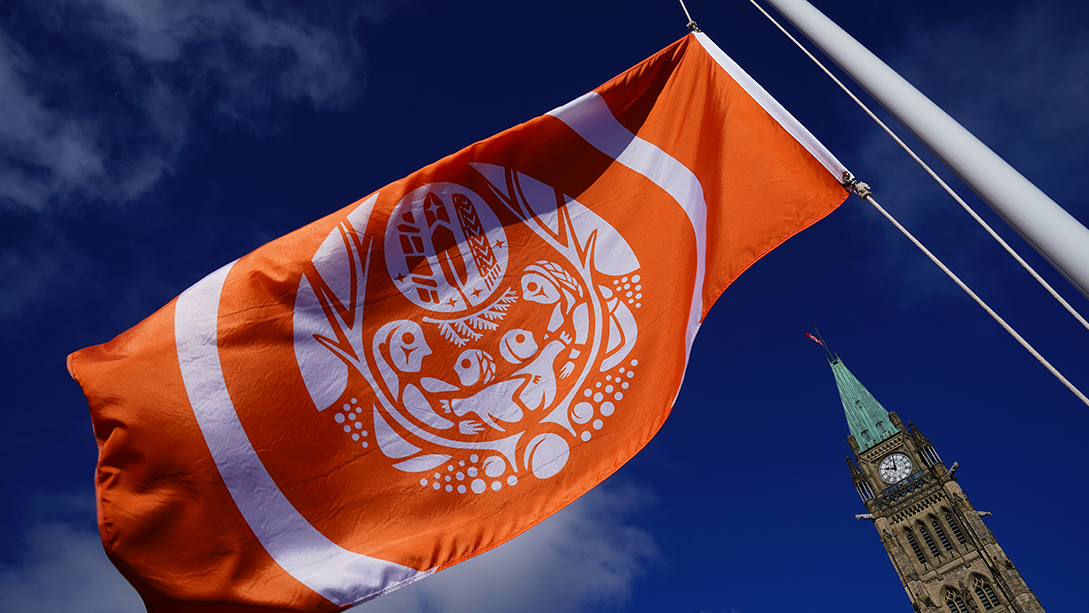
<point x="1053" y="232"/>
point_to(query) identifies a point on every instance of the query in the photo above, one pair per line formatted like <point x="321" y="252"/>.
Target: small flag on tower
<point x="815" y="339"/>
<point x="439" y="366"/>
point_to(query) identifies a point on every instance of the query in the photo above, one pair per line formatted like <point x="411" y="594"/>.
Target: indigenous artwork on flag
<point x="436" y="368"/>
<point x="502" y="370"/>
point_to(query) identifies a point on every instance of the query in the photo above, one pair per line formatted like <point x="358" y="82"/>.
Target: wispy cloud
<point x="589" y="553"/>
<point x="28" y="276"/>
<point x="1031" y="111"/>
<point x="1018" y="83"/>
<point x="98" y="98"/>
<point x="586" y="554"/>
<point x="63" y="568"/>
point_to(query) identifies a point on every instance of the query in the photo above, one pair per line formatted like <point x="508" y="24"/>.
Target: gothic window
<point x="866" y="435"/>
<point x="956" y="529"/>
<point x="941" y="533"/>
<point x="955" y="602"/>
<point x="880" y="426"/>
<point x="915" y="546"/>
<point x="929" y="541"/>
<point x="985" y="593"/>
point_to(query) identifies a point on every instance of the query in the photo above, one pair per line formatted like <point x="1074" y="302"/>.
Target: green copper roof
<point x="869" y="421"/>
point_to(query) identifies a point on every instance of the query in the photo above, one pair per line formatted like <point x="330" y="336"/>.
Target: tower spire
<point x="868" y="420"/>
<point x="947" y="558"/>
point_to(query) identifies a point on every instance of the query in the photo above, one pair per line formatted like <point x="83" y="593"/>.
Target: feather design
<point x="562" y="277"/>
<point x="471" y="327"/>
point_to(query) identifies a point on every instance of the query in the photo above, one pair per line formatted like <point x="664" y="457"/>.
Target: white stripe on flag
<point x="591" y="118"/>
<point x="772" y="106"/>
<point x="341" y="576"/>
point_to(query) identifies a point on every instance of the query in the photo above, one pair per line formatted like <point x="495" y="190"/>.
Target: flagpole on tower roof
<point x="820" y="339"/>
<point x="1051" y="230"/>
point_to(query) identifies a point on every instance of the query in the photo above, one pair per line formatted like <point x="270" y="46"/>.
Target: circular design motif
<point x="444" y="248"/>
<point x="582" y="412"/>
<point x="500" y="348"/>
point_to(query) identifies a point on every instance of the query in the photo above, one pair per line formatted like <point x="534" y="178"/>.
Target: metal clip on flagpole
<point x="863" y="191"/>
<point x="691" y="22"/>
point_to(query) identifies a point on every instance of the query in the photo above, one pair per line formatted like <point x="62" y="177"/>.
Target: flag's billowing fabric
<point x="436" y="368"/>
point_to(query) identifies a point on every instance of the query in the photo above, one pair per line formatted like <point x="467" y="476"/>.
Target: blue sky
<point x="144" y="144"/>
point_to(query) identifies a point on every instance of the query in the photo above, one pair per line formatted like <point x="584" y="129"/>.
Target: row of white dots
<point x="477" y="484"/>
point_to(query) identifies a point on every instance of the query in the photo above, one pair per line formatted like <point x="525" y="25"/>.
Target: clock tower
<point x="947" y="558"/>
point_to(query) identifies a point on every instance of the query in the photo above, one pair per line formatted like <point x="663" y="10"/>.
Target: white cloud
<point x="65" y="570"/>
<point x="586" y="554"/>
<point x="99" y="97"/>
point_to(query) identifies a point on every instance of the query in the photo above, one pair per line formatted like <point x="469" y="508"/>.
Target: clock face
<point x="894" y="468"/>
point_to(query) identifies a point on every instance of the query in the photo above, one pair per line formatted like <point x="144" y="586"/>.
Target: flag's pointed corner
<point x="774" y="108"/>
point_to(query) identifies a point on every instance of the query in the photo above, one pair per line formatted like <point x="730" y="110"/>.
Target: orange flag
<point x="439" y="366"/>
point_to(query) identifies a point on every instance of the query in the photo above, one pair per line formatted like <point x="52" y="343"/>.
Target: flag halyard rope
<point x="930" y="171"/>
<point x="863" y="192"/>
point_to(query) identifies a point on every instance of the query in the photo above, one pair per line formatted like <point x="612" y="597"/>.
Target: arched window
<point x="929" y="541"/>
<point x="941" y="533"/>
<point x="915" y="546"/>
<point x="955" y="602"/>
<point x="985" y="593"/>
<point x="956" y="529"/>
